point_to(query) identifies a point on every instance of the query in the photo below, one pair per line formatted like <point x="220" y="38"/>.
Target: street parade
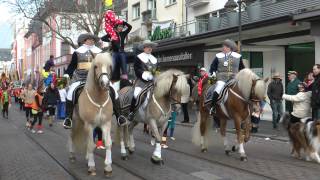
<point x="174" y="89"/>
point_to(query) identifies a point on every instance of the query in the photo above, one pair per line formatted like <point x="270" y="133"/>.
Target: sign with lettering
<point x="181" y="57"/>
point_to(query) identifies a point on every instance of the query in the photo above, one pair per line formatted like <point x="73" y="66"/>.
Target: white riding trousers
<point x="116" y="88"/>
<point x="72" y="87"/>
<point x="219" y="86"/>
<point x="136" y="92"/>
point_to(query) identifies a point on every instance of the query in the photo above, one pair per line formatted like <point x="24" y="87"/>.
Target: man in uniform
<point x="145" y="66"/>
<point x="224" y="67"/>
<point x="78" y="70"/>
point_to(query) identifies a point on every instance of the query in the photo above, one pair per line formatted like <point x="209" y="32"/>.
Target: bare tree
<point x="85" y="15"/>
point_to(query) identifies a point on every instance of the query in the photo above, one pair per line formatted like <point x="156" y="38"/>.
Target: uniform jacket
<point x="301" y="104"/>
<point x="226" y="71"/>
<point x="140" y="65"/>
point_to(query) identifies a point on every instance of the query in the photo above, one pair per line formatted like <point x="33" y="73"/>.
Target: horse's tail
<point x="79" y="136"/>
<point x="196" y="131"/>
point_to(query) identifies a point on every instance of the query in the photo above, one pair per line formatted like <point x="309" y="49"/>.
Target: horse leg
<point x="123" y="151"/>
<point x="203" y="129"/>
<point x="223" y="124"/>
<point x="132" y="145"/>
<point x="90" y="149"/>
<point x="106" y="129"/>
<point x="72" y="158"/>
<point x="240" y="138"/>
<point x="156" y="156"/>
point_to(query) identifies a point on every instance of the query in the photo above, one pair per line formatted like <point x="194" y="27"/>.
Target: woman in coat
<point x="301" y="103"/>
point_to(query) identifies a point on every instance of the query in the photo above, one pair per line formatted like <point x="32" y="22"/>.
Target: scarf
<point x="200" y="84"/>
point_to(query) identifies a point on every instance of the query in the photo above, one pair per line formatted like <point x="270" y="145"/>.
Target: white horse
<point x="169" y="86"/>
<point x="94" y="109"/>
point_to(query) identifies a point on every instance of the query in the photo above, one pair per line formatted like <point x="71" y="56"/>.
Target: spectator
<point x="309" y="79"/>
<point x="20" y="92"/>
<point x="184" y="104"/>
<point x="28" y="97"/>
<point x="315" y="100"/>
<point x="275" y="92"/>
<point x="50" y="101"/>
<point x="37" y="112"/>
<point x="292" y="88"/>
<point x="172" y="121"/>
<point x="256" y="114"/>
<point x="5" y="101"/>
<point x="301" y="103"/>
<point x="62" y="103"/>
<point x="49" y="64"/>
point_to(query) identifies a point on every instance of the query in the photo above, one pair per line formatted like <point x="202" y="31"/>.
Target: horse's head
<point x="250" y="85"/>
<point x="172" y="83"/>
<point x="101" y="67"/>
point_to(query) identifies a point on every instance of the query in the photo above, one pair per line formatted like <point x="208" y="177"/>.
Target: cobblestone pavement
<point x="44" y="156"/>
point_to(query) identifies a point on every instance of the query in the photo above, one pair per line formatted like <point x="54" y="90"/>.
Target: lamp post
<point x="231" y="5"/>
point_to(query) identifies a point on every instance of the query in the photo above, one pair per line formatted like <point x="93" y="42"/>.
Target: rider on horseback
<point x="78" y="71"/>
<point x="224" y="67"/>
<point x="144" y="67"/>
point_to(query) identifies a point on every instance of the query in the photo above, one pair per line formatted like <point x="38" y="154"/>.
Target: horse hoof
<point x="227" y="152"/>
<point x="92" y="171"/>
<point x="72" y="159"/>
<point x="125" y="158"/>
<point x="204" y="150"/>
<point x="108" y="174"/>
<point x="157" y="160"/>
<point x="130" y="151"/>
<point x="244" y="159"/>
<point x="234" y="149"/>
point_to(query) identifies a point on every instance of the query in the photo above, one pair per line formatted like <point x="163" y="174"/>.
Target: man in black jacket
<point x="119" y="56"/>
<point x="275" y="92"/>
<point x="315" y="100"/>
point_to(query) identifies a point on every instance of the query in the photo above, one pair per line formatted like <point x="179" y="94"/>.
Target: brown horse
<point x="94" y="109"/>
<point x="247" y="90"/>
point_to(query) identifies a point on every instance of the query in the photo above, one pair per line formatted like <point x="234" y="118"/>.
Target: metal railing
<point x="261" y="11"/>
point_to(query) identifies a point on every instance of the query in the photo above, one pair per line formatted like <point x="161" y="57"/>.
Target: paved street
<point x="44" y="156"/>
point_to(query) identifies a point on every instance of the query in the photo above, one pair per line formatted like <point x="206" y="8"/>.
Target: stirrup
<point x="122" y="120"/>
<point x="67" y="126"/>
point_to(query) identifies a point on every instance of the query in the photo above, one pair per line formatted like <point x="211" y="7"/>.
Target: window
<point x="169" y="2"/>
<point x="65" y="23"/>
<point x="152" y="4"/>
<point x="65" y="49"/>
<point x="136" y="11"/>
<point x="202" y="23"/>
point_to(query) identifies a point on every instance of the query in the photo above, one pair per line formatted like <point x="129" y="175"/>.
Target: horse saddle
<point x="76" y="93"/>
<point x="223" y="95"/>
<point x="126" y="95"/>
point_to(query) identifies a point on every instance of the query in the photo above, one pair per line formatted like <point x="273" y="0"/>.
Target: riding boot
<point x="67" y="124"/>
<point x="215" y="97"/>
<point x="132" y="108"/>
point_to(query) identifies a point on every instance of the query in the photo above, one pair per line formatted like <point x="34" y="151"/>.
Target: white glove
<point x="213" y="74"/>
<point x="150" y="77"/>
<point x="66" y="76"/>
<point x="146" y="75"/>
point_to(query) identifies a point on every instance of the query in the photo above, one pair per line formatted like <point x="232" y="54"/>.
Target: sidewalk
<point x="265" y="126"/>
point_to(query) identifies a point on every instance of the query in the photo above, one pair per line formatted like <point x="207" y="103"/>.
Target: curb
<point x="271" y="137"/>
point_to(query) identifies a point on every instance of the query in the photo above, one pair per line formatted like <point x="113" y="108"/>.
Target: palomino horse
<point x="94" y="109"/>
<point x="168" y="88"/>
<point x="246" y="91"/>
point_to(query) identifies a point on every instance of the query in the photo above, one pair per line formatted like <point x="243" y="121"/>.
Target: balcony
<point x="196" y="3"/>
<point x="149" y="15"/>
<point x="265" y="10"/>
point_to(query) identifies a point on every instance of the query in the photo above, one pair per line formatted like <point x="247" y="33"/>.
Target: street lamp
<point x="231" y="4"/>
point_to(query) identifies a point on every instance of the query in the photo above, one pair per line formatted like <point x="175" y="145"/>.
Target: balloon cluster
<point x="110" y="23"/>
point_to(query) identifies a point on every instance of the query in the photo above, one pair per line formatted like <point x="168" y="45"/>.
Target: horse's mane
<point x="164" y="81"/>
<point x="245" y="79"/>
<point x="102" y="58"/>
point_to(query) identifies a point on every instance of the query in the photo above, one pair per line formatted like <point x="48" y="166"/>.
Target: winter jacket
<point x="275" y="90"/>
<point x="315" y="87"/>
<point x="292" y="87"/>
<point x="301" y="104"/>
<point x="51" y="97"/>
